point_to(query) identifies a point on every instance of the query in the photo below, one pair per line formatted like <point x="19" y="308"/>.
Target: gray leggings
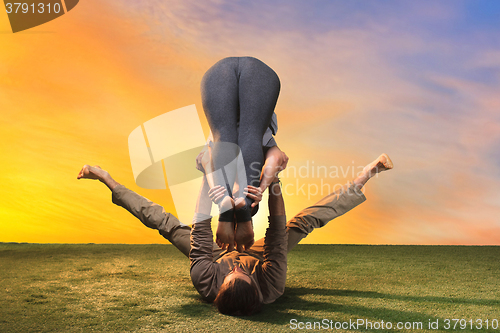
<point x="239" y="95"/>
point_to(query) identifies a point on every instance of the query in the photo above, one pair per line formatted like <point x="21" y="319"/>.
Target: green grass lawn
<point x="147" y="288"/>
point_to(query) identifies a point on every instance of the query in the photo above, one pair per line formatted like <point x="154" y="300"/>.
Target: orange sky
<point x="73" y="89"/>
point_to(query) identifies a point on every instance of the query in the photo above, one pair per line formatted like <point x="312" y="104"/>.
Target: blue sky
<point x="418" y="80"/>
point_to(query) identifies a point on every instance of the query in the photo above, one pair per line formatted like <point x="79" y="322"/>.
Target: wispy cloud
<point x="418" y="80"/>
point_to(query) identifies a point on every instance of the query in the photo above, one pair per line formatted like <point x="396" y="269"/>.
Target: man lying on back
<point x="240" y="282"/>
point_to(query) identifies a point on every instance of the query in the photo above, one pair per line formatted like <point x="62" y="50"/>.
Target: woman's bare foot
<point x="244" y="236"/>
<point x="225" y="230"/>
<point x="224" y="237"/>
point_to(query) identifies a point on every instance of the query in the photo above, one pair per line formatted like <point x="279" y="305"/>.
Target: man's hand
<point x="284" y="162"/>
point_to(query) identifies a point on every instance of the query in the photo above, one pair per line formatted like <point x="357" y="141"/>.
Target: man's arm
<point x="276" y="161"/>
<point x="276" y="203"/>
<point x="275" y="246"/>
<point x="203" y="269"/>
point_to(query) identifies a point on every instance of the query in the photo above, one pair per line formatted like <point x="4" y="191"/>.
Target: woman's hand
<point x="254" y="193"/>
<point x="199" y="159"/>
<point x="217" y="193"/>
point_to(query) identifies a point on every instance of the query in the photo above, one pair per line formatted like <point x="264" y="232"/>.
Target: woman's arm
<point x="276" y="161"/>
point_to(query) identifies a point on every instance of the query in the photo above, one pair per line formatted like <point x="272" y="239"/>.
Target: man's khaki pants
<point x="316" y="216"/>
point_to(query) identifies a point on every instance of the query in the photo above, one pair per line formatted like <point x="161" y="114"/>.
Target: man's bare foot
<point x="244" y="235"/>
<point x="95" y="172"/>
<point x="225" y="235"/>
<point x="89" y="172"/>
<point x="382" y="163"/>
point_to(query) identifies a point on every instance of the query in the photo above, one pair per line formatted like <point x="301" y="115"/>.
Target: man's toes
<point x="385" y="160"/>
<point x="85" y="172"/>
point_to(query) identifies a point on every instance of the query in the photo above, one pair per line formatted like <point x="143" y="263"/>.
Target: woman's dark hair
<point x="238" y="298"/>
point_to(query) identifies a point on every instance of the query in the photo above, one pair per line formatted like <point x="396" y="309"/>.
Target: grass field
<point x="147" y="288"/>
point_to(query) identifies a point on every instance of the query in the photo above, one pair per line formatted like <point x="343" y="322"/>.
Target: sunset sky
<point x="418" y="80"/>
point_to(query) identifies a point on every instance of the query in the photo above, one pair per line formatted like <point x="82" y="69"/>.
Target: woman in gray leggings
<point x="239" y="95"/>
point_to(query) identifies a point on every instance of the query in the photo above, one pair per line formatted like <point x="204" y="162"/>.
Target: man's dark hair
<point x="238" y="298"/>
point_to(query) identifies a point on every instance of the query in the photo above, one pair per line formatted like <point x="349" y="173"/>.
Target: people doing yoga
<point x="239" y="95"/>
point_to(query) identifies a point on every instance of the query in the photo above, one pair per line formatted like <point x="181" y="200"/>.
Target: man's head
<point x="238" y="295"/>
